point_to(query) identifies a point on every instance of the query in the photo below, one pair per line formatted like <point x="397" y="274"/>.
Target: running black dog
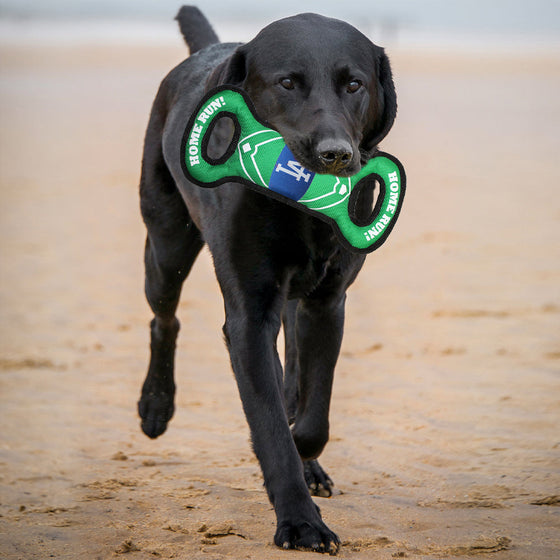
<point x="329" y="91"/>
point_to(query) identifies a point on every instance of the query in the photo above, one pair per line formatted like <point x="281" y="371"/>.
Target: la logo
<point x="294" y="169"/>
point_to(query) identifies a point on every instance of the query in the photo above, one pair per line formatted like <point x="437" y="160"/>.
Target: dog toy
<point x="258" y="157"/>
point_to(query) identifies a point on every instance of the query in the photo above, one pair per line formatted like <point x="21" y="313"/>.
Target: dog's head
<point x="323" y="85"/>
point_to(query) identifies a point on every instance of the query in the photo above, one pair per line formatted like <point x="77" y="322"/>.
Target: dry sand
<point x="445" y="417"/>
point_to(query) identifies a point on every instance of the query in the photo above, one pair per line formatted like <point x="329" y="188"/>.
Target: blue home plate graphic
<point x="289" y="177"/>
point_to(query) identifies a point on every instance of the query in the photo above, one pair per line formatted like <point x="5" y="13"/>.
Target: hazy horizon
<point x="519" y="22"/>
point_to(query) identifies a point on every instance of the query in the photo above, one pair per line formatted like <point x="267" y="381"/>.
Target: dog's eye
<point x="287" y="83"/>
<point x="353" y="86"/>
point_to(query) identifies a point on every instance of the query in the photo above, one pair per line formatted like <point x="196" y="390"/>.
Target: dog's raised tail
<point x="196" y="29"/>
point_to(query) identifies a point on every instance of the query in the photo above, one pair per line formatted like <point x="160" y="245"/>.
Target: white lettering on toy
<point x="194" y="141"/>
<point x="394" y="192"/>
<point x="194" y="138"/>
<point x="211" y="108"/>
<point x="383" y="220"/>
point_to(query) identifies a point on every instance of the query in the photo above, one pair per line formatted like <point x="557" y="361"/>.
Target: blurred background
<point x="445" y="413"/>
<point x="463" y="24"/>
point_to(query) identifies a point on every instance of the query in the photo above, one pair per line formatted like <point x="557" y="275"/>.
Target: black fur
<point x="196" y="29"/>
<point x="274" y="263"/>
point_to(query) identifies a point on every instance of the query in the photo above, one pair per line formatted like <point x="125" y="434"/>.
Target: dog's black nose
<point x="335" y="156"/>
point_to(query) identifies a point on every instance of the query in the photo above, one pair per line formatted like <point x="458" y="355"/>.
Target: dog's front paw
<point x="155" y="409"/>
<point x="304" y="535"/>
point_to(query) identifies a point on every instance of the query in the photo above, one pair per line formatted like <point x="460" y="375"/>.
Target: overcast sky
<point x="535" y="16"/>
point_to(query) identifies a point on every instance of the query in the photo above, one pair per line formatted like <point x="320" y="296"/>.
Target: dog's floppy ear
<point x="231" y="72"/>
<point x="383" y="105"/>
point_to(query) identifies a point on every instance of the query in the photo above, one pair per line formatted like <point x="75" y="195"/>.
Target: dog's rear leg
<point x="172" y="244"/>
<point x="291" y="365"/>
<point x="164" y="277"/>
<point x="317" y="480"/>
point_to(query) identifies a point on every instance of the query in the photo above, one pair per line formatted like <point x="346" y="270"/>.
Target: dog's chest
<point x="305" y="280"/>
<point x="321" y="266"/>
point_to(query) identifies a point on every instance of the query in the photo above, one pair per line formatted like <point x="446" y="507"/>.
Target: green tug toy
<point x="258" y="157"/>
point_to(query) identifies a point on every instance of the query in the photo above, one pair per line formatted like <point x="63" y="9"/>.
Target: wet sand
<point x="445" y="414"/>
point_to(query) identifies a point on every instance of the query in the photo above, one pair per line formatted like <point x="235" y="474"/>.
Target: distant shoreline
<point x="84" y="32"/>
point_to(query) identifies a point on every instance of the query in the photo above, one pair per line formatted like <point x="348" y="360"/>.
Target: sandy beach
<point x="445" y="419"/>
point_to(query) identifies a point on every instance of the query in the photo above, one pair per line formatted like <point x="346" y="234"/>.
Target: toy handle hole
<point x="366" y="199"/>
<point x="221" y="138"/>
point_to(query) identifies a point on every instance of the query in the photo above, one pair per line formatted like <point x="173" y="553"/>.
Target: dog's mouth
<point x="306" y="151"/>
<point x="327" y="163"/>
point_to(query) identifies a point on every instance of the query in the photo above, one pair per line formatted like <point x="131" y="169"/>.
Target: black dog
<point x="329" y="91"/>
